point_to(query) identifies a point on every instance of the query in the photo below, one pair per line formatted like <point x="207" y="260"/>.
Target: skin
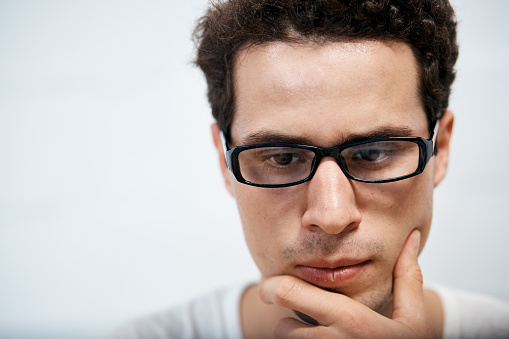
<point x="325" y="94"/>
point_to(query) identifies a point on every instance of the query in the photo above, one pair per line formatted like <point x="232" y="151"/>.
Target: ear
<point x="443" y="142"/>
<point x="216" y="136"/>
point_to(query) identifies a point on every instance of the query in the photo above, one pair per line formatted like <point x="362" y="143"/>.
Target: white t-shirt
<point x="216" y="315"/>
<point x="471" y="315"/>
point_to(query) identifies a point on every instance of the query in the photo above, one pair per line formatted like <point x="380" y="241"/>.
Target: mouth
<point x="332" y="275"/>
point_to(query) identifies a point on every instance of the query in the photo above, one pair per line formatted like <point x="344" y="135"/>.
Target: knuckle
<point x="413" y="272"/>
<point x="354" y="320"/>
<point x="416" y="273"/>
<point x="350" y="317"/>
<point x="286" y="291"/>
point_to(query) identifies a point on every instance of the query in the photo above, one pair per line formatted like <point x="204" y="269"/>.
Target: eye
<point x="275" y="164"/>
<point x="371" y="154"/>
<point x="283" y="159"/>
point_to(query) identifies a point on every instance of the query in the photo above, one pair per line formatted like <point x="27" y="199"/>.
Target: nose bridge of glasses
<point x="333" y="152"/>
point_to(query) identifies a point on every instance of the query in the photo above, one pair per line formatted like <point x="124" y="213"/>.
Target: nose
<point x="331" y="204"/>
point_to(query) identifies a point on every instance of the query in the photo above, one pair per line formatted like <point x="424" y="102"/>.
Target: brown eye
<point x="283" y="159"/>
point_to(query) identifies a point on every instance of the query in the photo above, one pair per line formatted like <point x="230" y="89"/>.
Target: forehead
<point x="325" y="91"/>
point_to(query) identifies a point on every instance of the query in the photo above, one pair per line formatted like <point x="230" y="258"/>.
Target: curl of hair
<point x="428" y="26"/>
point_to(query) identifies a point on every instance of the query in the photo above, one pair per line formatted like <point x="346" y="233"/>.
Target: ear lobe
<point x="216" y="136"/>
<point x="443" y="145"/>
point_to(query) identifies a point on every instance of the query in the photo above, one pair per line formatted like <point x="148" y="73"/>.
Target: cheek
<point x="269" y="219"/>
<point x="394" y="209"/>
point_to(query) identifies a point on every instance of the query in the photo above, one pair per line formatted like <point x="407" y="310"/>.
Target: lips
<point x="332" y="275"/>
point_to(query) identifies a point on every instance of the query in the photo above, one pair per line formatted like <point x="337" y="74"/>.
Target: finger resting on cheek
<point x="408" y="281"/>
<point x="407" y="260"/>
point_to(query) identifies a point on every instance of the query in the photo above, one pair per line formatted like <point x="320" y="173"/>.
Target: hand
<point x="339" y="316"/>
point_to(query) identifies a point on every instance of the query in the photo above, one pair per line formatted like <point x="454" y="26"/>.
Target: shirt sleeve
<point x="471" y="315"/>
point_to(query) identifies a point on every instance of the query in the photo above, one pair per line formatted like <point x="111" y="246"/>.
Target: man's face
<point x="339" y="234"/>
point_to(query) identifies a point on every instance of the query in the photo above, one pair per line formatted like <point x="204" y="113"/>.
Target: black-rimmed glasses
<point x="374" y="160"/>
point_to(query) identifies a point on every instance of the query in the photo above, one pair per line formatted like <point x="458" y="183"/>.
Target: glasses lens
<point x="381" y="160"/>
<point x="275" y="165"/>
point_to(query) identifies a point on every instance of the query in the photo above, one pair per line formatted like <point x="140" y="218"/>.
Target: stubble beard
<point x="378" y="298"/>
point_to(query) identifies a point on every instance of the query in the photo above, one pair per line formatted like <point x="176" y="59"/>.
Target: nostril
<point x="338" y="226"/>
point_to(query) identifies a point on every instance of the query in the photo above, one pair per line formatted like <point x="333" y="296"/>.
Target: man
<point x="332" y="132"/>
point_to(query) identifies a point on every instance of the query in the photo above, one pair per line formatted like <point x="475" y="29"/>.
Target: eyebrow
<point x="275" y="138"/>
<point x="268" y="137"/>
<point x="382" y="132"/>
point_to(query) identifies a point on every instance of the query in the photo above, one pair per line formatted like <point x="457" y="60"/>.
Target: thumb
<point x="408" y="290"/>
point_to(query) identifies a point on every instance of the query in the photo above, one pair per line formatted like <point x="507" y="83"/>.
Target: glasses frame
<point x="426" y="151"/>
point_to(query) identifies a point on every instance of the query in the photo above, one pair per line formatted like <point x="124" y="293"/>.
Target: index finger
<point x="325" y="307"/>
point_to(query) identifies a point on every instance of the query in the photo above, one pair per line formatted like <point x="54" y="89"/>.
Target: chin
<point x="378" y="299"/>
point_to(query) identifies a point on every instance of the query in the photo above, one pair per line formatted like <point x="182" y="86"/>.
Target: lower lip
<point x="330" y="277"/>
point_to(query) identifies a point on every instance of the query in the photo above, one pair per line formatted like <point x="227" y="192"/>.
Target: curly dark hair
<point x="428" y="26"/>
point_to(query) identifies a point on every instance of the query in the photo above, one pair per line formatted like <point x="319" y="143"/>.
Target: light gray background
<point x="104" y="212"/>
